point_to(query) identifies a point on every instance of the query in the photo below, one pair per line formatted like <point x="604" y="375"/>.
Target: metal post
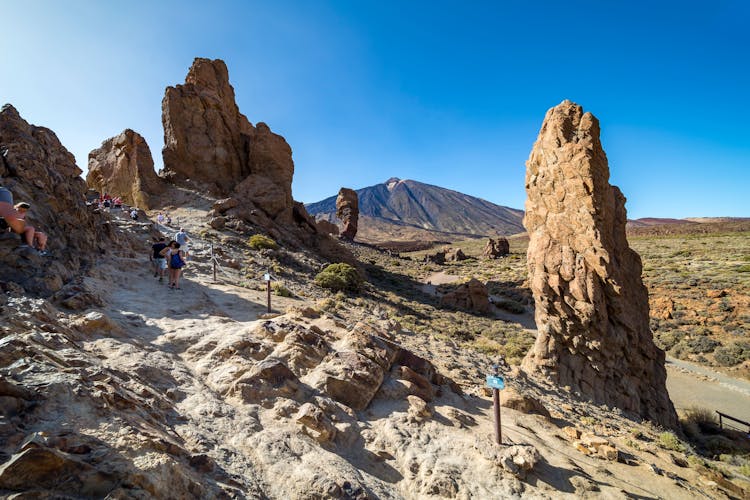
<point x="496" y="403"/>
<point x="268" y="289"/>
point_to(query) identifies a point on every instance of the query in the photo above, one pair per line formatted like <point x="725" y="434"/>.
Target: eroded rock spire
<point x="591" y="304"/>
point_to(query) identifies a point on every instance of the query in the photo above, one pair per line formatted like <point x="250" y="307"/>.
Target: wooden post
<point x="498" y="430"/>
<point x="213" y="261"/>
<point x="268" y="289"/>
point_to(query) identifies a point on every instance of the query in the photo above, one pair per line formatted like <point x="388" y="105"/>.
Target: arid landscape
<point x="301" y="360"/>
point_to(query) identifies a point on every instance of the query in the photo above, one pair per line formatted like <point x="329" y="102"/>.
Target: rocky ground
<point x="147" y="392"/>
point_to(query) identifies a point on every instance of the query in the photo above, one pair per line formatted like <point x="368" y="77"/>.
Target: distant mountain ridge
<point x="407" y="209"/>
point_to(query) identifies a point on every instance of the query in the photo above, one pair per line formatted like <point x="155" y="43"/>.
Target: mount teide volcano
<point x="410" y="210"/>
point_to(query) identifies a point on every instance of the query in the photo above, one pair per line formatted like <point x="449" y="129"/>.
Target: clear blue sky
<point x="448" y="93"/>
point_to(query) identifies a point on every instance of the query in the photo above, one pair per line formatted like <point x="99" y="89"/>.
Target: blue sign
<point x="495" y="382"/>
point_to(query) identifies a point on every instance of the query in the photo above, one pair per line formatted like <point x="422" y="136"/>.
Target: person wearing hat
<point x="32" y="236"/>
<point x="10" y="215"/>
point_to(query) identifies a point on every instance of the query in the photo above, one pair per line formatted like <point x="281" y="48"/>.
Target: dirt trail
<point x="694" y="385"/>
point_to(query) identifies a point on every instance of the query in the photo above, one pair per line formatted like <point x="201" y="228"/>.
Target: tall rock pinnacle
<point x="591" y="304"/>
<point x="208" y="140"/>
<point x="347" y="209"/>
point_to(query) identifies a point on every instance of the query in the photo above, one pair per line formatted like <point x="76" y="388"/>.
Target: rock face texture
<point x="37" y="169"/>
<point x="123" y="166"/>
<point x="591" y="305"/>
<point x="347" y="209"/>
<point x="208" y="141"/>
<point x="495" y="249"/>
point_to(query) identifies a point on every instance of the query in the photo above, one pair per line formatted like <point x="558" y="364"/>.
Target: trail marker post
<point x="213" y="260"/>
<point x="267" y="279"/>
<point x="496" y="382"/>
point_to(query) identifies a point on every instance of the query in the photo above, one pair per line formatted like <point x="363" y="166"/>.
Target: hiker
<point x="134" y="214"/>
<point x="158" y="262"/>
<point x="34" y="238"/>
<point x="182" y="238"/>
<point x="160" y="218"/>
<point x="176" y="262"/>
<point x="11" y="218"/>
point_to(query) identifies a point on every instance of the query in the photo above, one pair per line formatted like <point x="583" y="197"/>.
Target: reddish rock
<point x="208" y="141"/>
<point x="591" y="305"/>
<point x="454" y="255"/>
<point x="496" y="248"/>
<point x="37" y="169"/>
<point x="122" y="166"/>
<point x="470" y="296"/>
<point x="347" y="210"/>
<point x="327" y="227"/>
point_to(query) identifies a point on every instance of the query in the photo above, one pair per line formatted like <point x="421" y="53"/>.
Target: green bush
<point x="259" y="241"/>
<point x="733" y="354"/>
<point x="339" y="277"/>
<point x="702" y="344"/>
<point x="281" y="290"/>
<point x="744" y="269"/>
<point x="669" y="441"/>
<point x="510" y="305"/>
<point x="703" y="418"/>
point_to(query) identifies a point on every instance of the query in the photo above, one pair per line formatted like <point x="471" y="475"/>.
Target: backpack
<point x="175" y="261"/>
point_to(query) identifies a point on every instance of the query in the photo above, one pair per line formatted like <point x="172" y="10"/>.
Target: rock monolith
<point x="591" y="305"/>
<point x="209" y="142"/>
<point x="347" y="210"/>
<point x="495" y="249"/>
<point x="123" y="166"/>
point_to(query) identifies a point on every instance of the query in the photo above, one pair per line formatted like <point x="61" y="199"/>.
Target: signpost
<point x="267" y="279"/>
<point x="496" y="382"/>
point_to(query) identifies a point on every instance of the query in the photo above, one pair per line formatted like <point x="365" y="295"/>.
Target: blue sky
<point x="447" y="93"/>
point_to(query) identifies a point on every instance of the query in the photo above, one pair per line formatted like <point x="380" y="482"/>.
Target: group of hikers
<point x="14" y="220"/>
<point x="170" y="257"/>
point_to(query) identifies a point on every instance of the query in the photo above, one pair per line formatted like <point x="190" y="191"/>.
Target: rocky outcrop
<point x="469" y="296"/>
<point x="454" y="255"/>
<point x="326" y="227"/>
<point x="347" y="210"/>
<point x="122" y="166"/>
<point x="494" y="249"/>
<point x="37" y="169"/>
<point x="591" y="305"/>
<point x="209" y="142"/>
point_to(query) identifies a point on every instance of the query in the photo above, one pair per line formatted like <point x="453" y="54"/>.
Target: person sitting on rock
<point x="134" y="214"/>
<point x="33" y="237"/>
<point x="12" y="220"/>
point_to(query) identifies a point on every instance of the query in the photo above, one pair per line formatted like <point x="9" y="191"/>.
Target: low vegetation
<point x="339" y="277"/>
<point x="260" y="241"/>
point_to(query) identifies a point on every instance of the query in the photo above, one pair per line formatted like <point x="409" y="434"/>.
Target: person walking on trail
<point x="176" y="261"/>
<point x="158" y="262"/>
<point x="182" y="238"/>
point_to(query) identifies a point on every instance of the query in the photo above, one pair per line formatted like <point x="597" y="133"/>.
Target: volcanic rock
<point x="470" y="296"/>
<point x="347" y="209"/>
<point x="37" y="169"/>
<point x="208" y="141"/>
<point x="327" y="227"/>
<point x="591" y="305"/>
<point x="496" y="248"/>
<point x="454" y="255"/>
<point x="123" y="166"/>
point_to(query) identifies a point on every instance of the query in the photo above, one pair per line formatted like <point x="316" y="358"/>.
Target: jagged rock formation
<point x="37" y="169"/>
<point x="470" y="296"/>
<point x="347" y="210"/>
<point x="208" y="141"/>
<point x="454" y="255"/>
<point x="591" y="305"/>
<point x="497" y="248"/>
<point x="123" y="166"/>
